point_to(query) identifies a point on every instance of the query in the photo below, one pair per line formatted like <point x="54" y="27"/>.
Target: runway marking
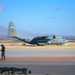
<point x="39" y="60"/>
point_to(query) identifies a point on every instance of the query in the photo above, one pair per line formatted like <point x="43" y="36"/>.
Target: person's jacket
<point x="3" y="48"/>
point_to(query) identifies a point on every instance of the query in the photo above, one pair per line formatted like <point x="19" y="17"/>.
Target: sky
<point x="39" y="16"/>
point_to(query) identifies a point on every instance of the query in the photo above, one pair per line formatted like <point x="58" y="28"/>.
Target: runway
<point x="42" y="61"/>
<point x="39" y="52"/>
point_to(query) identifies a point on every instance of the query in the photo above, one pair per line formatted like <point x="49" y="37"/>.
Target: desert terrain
<point x="22" y="46"/>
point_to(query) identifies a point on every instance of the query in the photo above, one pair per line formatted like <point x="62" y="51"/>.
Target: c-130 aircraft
<point x="39" y="40"/>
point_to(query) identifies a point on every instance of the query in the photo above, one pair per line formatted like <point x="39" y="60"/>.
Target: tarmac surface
<point x="42" y="61"/>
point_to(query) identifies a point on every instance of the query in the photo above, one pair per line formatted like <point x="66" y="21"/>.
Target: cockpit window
<point x="54" y="36"/>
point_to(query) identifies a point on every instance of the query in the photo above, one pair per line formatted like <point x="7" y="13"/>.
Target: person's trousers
<point x="3" y="55"/>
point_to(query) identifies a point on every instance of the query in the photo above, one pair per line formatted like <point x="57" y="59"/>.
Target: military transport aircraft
<point x="40" y="40"/>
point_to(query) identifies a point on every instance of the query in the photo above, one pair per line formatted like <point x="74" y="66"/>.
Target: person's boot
<point x="4" y="58"/>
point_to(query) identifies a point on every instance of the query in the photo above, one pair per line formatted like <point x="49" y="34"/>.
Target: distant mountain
<point x="70" y="37"/>
<point x="3" y="34"/>
<point x="4" y="30"/>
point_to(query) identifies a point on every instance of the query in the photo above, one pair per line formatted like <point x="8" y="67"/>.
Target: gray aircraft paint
<point x="39" y="40"/>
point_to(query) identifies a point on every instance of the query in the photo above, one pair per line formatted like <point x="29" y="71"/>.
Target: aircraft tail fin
<point x="11" y="30"/>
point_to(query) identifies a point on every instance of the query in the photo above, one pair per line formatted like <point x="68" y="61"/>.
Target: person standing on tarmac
<point x="3" y="52"/>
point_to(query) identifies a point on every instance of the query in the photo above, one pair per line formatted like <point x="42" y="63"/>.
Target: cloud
<point x="1" y="8"/>
<point x="51" y="17"/>
<point x="59" y="9"/>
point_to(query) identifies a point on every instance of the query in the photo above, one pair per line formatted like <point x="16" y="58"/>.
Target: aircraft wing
<point x="40" y="39"/>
